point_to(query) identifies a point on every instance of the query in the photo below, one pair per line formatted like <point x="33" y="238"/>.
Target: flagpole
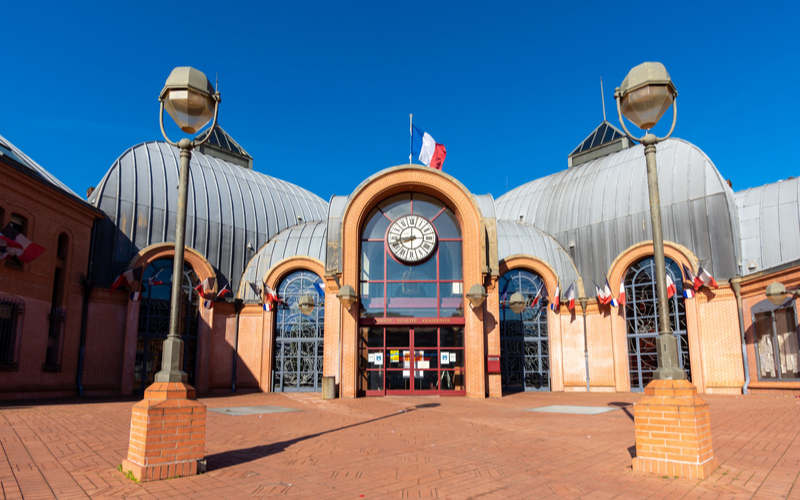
<point x="410" y="136"/>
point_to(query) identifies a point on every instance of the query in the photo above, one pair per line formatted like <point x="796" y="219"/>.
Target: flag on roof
<point x="555" y="304"/>
<point x="226" y="290"/>
<point x="126" y="278"/>
<point x="670" y="286"/>
<point x="621" y="298"/>
<point x="17" y="245"/>
<point x="206" y="287"/>
<point x="426" y="149"/>
<point x="705" y="278"/>
<point x="569" y="296"/>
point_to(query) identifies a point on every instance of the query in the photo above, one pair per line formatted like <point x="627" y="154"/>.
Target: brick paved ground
<point x="400" y="447"/>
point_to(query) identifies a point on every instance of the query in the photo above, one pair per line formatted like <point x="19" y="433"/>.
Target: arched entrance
<point x="641" y="318"/>
<point x="299" y="346"/>
<point x="524" y="342"/>
<point x="154" y="322"/>
<point x="411" y="324"/>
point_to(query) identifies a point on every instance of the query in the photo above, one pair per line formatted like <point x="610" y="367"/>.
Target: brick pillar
<point x="168" y="433"/>
<point x="673" y="431"/>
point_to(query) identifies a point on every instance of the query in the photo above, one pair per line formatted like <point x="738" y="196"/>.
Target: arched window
<point x="641" y="317"/>
<point x="154" y="321"/>
<point x="524" y="344"/>
<point x="299" y="337"/>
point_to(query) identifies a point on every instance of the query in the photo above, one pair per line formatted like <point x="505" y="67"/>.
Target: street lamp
<point x="191" y="101"/>
<point x="777" y="293"/>
<point x="643" y="98"/>
<point x="476" y="295"/>
<point x="306" y="304"/>
<point x="517" y="302"/>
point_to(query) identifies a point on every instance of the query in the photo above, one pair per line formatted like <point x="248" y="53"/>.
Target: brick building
<point x="411" y="242"/>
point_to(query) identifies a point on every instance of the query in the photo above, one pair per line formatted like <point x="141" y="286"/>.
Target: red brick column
<point x="673" y="431"/>
<point x="168" y="433"/>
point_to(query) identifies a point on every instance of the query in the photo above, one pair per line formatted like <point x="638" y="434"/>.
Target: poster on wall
<point x="445" y="358"/>
<point x="379" y="358"/>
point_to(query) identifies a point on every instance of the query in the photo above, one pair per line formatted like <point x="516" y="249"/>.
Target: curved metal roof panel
<point x="228" y="207"/>
<point x="769" y="223"/>
<point x="602" y="207"/>
<point x="307" y="240"/>
<point x="519" y="238"/>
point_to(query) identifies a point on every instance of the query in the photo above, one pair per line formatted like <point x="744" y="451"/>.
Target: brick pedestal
<point x="168" y="433"/>
<point x="673" y="431"/>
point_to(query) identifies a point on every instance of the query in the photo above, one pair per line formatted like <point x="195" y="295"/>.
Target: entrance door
<point x="412" y="360"/>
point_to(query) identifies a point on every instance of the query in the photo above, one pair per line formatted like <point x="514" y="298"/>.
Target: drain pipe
<point x="737" y="291"/>
<point x="584" y="302"/>
<point x="238" y="305"/>
<point x="87" y="291"/>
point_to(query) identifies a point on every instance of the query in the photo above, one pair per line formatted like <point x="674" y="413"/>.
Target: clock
<point x="411" y="238"/>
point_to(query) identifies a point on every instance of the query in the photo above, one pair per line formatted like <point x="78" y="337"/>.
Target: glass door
<point x="412" y="360"/>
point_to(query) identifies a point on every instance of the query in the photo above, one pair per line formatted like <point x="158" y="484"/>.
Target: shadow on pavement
<point x="625" y="407"/>
<point x="236" y="457"/>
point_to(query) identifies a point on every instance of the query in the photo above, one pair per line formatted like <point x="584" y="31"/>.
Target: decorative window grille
<point x="524" y="341"/>
<point x="641" y="316"/>
<point x="299" y="346"/>
<point x="11" y="311"/>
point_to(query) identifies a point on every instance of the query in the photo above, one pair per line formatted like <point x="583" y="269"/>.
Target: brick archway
<point x="424" y="180"/>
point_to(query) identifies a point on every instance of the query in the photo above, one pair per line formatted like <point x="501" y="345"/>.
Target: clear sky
<point x="319" y="92"/>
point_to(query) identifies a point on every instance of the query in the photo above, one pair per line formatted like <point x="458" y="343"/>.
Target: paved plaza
<point x="400" y="447"/>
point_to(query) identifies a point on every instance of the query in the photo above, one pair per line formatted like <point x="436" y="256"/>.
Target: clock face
<point x="411" y="238"/>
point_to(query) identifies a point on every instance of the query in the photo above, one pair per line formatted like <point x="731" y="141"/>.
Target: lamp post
<point x="777" y="293"/>
<point x="191" y="101"/>
<point x="644" y="96"/>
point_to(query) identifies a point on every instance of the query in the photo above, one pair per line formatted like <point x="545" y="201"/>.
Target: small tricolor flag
<point x="126" y="278"/>
<point x="704" y="278"/>
<point x="226" y="290"/>
<point x="135" y="296"/>
<point x="555" y="304"/>
<point x="537" y="297"/>
<point x="256" y="289"/>
<point x="153" y="280"/>
<point x="319" y="286"/>
<point x="601" y="298"/>
<point x="15" y="244"/>
<point x="670" y="286"/>
<point x="569" y="296"/>
<point x="621" y="298"/>
<point x="688" y="275"/>
<point x="206" y="287"/>
<point x="688" y="293"/>
<point x="426" y="149"/>
<point x="208" y="303"/>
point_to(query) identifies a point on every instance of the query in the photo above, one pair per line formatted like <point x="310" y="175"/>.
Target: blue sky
<point x="319" y="93"/>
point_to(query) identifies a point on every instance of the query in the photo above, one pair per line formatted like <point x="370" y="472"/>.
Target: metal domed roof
<point x="228" y="207"/>
<point x="515" y="238"/>
<point x="302" y="240"/>
<point x="602" y="208"/>
<point x="769" y="221"/>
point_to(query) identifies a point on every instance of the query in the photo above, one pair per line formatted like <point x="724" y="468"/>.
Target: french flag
<point x="607" y="294"/>
<point x="689" y="275"/>
<point x="126" y="278"/>
<point x="538" y="296"/>
<point x="320" y="288"/>
<point x="569" y="296"/>
<point x="18" y="245"/>
<point x="688" y="293"/>
<point x="226" y="290"/>
<point x="670" y="286"/>
<point x="205" y="287"/>
<point x="555" y="304"/>
<point x="601" y="298"/>
<point x="426" y="149"/>
<point x="621" y="299"/>
<point x="705" y="278"/>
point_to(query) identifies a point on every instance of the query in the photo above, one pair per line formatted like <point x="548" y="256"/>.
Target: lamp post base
<point x="168" y="433"/>
<point x="673" y="431"/>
